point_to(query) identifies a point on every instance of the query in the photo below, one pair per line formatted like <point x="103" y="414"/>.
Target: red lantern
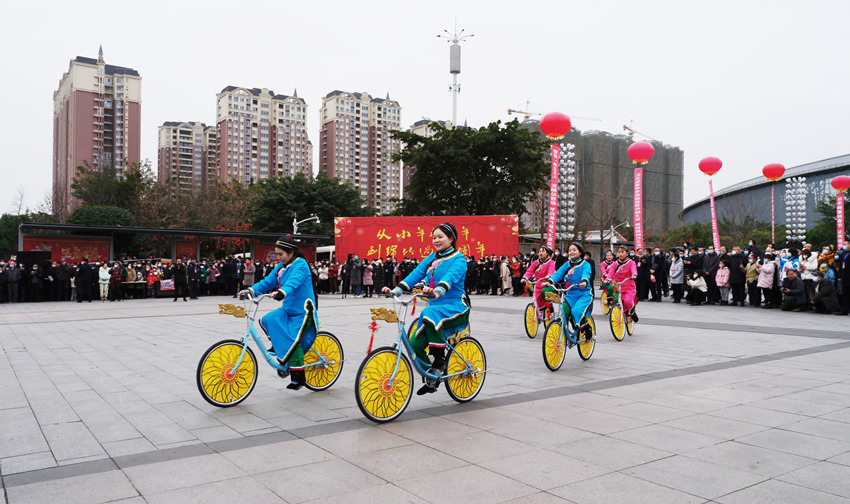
<point x="773" y="171"/>
<point x="555" y="125"/>
<point x="710" y="165"/>
<point x="640" y="152"/>
<point x="840" y="183"/>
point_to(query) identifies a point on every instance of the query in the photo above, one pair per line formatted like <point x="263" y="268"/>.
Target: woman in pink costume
<point x="543" y="267"/>
<point x="624" y="272"/>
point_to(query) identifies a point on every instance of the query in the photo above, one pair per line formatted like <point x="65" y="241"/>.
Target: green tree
<point x="101" y="216"/>
<point x="104" y="188"/>
<point x="825" y="231"/>
<point x="278" y="201"/>
<point x="464" y="171"/>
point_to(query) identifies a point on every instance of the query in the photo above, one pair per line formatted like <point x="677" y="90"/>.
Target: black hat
<point x="286" y="243"/>
<point x="578" y="246"/>
<point x="450" y="231"/>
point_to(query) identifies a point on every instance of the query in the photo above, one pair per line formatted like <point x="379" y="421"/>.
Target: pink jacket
<point x="538" y="271"/>
<point x="722" y="277"/>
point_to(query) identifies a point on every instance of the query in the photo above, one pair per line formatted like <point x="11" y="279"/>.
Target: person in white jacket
<point x="696" y="296"/>
<point x="808" y="265"/>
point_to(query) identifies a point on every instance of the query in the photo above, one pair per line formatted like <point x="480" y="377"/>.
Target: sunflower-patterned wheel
<point x="618" y="326"/>
<point x="630" y="326"/>
<point x="220" y="383"/>
<point x="587" y="339"/>
<point x="464" y="387"/>
<point x="380" y="397"/>
<point x="321" y="374"/>
<point x="554" y="346"/>
<point x="603" y="301"/>
<point x="531" y="320"/>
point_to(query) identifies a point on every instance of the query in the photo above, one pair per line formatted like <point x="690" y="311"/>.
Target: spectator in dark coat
<point x="85" y="277"/>
<point x="737" y="277"/>
<point x="843" y="275"/>
<point x="825" y="299"/>
<point x="63" y="273"/>
<point x="179" y="275"/>
<point x="228" y="277"/>
<point x="795" y="293"/>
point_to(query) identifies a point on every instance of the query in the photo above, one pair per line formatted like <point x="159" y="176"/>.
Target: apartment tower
<point x="186" y="155"/>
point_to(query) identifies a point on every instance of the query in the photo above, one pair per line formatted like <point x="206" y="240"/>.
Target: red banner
<point x="772" y="215"/>
<point x="553" y="197"/>
<point x="638" y="208"/>
<point x="186" y="250"/>
<point x="265" y="253"/>
<point x="71" y="249"/>
<point x="839" y="219"/>
<point x="714" y="234"/>
<point x="400" y="237"/>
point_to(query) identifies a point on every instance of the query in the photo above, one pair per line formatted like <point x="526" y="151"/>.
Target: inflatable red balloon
<point x="840" y="183"/>
<point x="555" y="125"/>
<point x="710" y="165"/>
<point x="773" y="171"/>
<point x="640" y="152"/>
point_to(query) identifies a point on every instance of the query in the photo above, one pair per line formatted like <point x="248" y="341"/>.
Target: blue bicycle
<point x="227" y="372"/>
<point x="384" y="384"/>
<point x="562" y="334"/>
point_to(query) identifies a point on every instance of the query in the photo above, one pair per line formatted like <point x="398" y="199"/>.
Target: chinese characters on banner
<point x="553" y="197"/>
<point x="400" y="237"/>
<point x="71" y="249"/>
<point x="186" y="249"/>
<point x="638" y="208"/>
<point x="714" y="234"/>
<point x="839" y="217"/>
<point x="265" y="253"/>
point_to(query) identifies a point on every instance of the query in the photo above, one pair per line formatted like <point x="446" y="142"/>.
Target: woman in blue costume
<point x="444" y="273"/>
<point x="293" y="325"/>
<point x="576" y="271"/>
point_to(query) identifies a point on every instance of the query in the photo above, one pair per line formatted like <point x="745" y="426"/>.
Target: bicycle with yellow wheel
<point x="384" y="384"/>
<point x="228" y="370"/>
<point x="534" y="316"/>
<point x="621" y="323"/>
<point x="562" y="334"/>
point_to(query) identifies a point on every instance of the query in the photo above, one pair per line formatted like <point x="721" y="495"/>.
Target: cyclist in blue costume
<point x="444" y="273"/>
<point x="293" y="326"/>
<point x="576" y="271"/>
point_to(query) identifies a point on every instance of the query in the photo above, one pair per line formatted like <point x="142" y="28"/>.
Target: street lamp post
<point x="295" y="222"/>
<point x="613" y="228"/>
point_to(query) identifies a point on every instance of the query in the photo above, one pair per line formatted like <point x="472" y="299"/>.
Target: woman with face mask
<point x="579" y="300"/>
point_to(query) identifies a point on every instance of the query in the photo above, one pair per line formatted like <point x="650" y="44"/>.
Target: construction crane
<point x="633" y="131"/>
<point x="528" y="114"/>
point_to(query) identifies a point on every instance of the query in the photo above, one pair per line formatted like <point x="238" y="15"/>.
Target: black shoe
<point x="841" y="313"/>
<point x="426" y="389"/>
<point x="297" y="377"/>
<point x="634" y="316"/>
<point x="184" y="299"/>
<point x="175" y="300"/>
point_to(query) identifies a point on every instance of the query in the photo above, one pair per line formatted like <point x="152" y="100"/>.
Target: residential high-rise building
<point x="357" y="147"/>
<point x="261" y="135"/>
<point x="186" y="155"/>
<point x="96" y="119"/>
<point x="423" y="127"/>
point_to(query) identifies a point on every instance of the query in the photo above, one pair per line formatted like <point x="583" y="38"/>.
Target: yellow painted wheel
<point x="320" y="374"/>
<point x="630" y="326"/>
<point x="220" y="383"/>
<point x="554" y="346"/>
<point x="618" y="328"/>
<point x="464" y="387"/>
<point x="603" y="300"/>
<point x="411" y="330"/>
<point x="587" y="340"/>
<point x="530" y="320"/>
<point x="380" y="397"/>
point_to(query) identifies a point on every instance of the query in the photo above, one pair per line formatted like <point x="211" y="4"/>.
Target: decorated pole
<point x="554" y="125"/>
<point x="773" y="172"/>
<point x="639" y="152"/>
<point x="840" y="184"/>
<point x="710" y="166"/>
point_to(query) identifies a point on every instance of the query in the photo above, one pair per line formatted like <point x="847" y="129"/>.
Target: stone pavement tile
<point x="758" y="416"/>
<point x="842" y="415"/>
<point x="542" y="433"/>
<point x="210" y="434"/>
<point x="593" y="401"/>
<point x="691" y="403"/>
<point x="181" y="473"/>
<point x="785" y="380"/>
<point x="466" y="484"/>
<point x="245" y="423"/>
<point x="822" y="428"/>
<point x="241" y="489"/>
<point x="333" y="478"/>
<point x="544" y="469"/>
<point x="87" y="489"/>
<point x="822" y="397"/>
<point x="289" y="421"/>
<point x="618" y="488"/>
<point x="695" y="477"/>
<point x="381" y="493"/>
<point x="797" y="443"/>
<point x="600" y="422"/>
<point x="131" y="500"/>
<point x="478" y="447"/>
<point x="187" y="416"/>
<point x="275" y="456"/>
<point x="754" y="459"/>
<point x="838" y="388"/>
<point x="823" y="476"/>
<point x="395" y="464"/>
<point x="614" y="454"/>
<point x="21" y="434"/>
<point x="539" y="498"/>
<point x="843" y="459"/>
<point x="796" y="406"/>
<point x="772" y="491"/>
<point x="554" y="410"/>
<point x="53" y="410"/>
<point x="426" y="428"/>
<point x="24" y="463"/>
<point x="484" y="419"/>
<point x="128" y="447"/>
<point x="164" y="434"/>
<point x="357" y="441"/>
<point x="71" y="441"/>
<point x="724" y="428"/>
<point x="647" y="412"/>
<point x="670" y="439"/>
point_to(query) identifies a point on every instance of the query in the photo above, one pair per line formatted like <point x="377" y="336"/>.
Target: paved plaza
<point x="98" y="403"/>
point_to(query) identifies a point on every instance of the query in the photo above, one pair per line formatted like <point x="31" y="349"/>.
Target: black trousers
<point x="84" y="292"/>
<point x="754" y="293"/>
<point x="713" y="294"/>
<point x="737" y="293"/>
<point x="182" y="287"/>
<point x="677" y="292"/>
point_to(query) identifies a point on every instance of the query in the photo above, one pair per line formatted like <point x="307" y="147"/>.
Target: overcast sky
<point x="751" y="82"/>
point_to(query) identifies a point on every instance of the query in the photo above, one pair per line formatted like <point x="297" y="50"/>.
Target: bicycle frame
<point x="404" y="338"/>
<point x="555" y="307"/>
<point x="572" y="330"/>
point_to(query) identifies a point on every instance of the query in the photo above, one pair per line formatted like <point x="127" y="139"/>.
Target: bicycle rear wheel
<point x="618" y="329"/>
<point x="464" y="387"/>
<point x="554" y="346"/>
<point x="218" y="383"/>
<point x="379" y="400"/>
<point x="630" y="326"/>
<point x="319" y="374"/>
<point x="531" y="320"/>
<point x="587" y="340"/>
<point x="603" y="301"/>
